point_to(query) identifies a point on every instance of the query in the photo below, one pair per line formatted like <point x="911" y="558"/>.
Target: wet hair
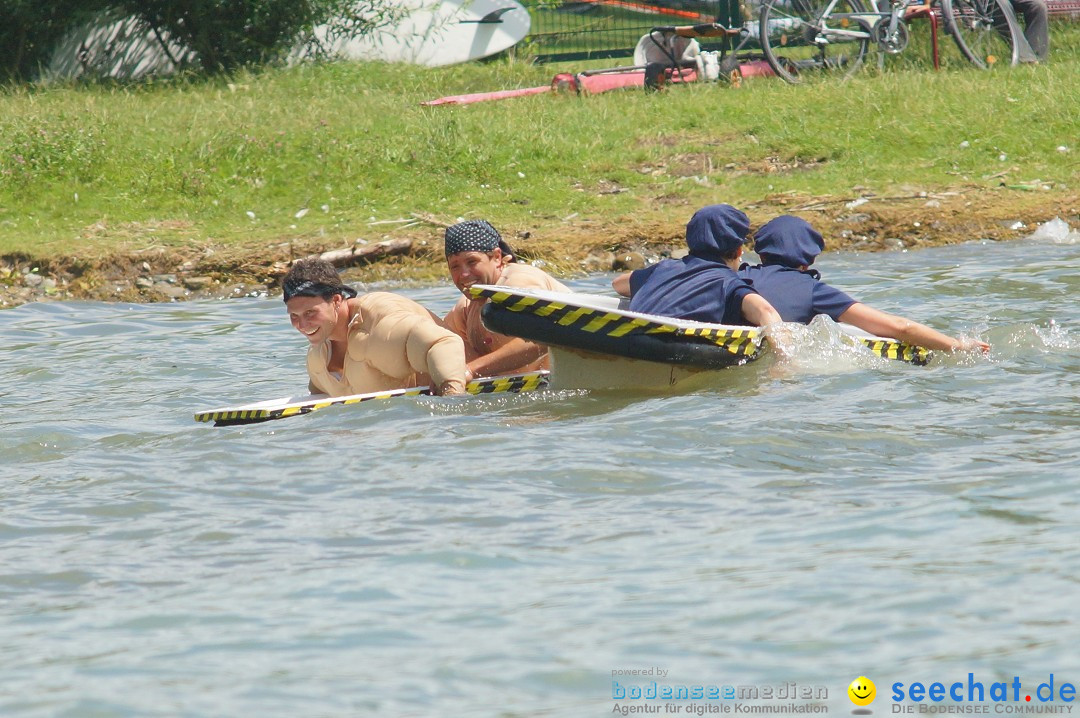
<point x="314" y="277"/>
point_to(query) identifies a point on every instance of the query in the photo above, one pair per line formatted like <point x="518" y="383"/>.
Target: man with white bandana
<point x="477" y="254"/>
<point x="374" y="342"/>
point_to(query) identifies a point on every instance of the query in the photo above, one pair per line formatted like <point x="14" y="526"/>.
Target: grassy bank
<point x="319" y="155"/>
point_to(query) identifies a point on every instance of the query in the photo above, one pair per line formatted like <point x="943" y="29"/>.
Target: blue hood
<point x="788" y="241"/>
<point x="716" y="230"/>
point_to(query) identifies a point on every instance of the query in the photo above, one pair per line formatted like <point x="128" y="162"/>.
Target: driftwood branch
<point x="362" y="254"/>
<point x="430" y="219"/>
<point x="359" y="254"/>
<point x="822" y="204"/>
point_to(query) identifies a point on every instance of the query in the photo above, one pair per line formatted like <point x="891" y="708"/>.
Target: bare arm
<point x="889" y="325"/>
<point x="446" y="365"/>
<point x="621" y="284"/>
<point x="510" y="357"/>
<point x="429" y="349"/>
<point x="757" y="310"/>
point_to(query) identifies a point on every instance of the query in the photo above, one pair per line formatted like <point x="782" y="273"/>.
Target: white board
<point x="442" y="33"/>
<point x="298" y="406"/>
<point x="427" y="32"/>
<point x="120" y="49"/>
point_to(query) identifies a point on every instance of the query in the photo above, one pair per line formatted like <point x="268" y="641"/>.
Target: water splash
<point x="1024" y="338"/>
<point x="823" y="347"/>
<point x="1055" y="231"/>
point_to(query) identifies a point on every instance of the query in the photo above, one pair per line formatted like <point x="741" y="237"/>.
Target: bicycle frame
<point x="869" y="21"/>
<point x="798" y="35"/>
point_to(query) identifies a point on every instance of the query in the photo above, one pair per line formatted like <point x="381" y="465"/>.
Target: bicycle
<point x="798" y="36"/>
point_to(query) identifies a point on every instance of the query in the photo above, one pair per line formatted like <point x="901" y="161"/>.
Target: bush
<point x="229" y="34"/>
<point x="30" y="30"/>
<point x="224" y="35"/>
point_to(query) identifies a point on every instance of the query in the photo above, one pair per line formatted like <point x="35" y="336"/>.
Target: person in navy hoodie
<point x="787" y="246"/>
<point x="702" y="286"/>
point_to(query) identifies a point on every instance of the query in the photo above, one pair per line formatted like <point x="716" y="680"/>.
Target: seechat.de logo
<point x="862" y="692"/>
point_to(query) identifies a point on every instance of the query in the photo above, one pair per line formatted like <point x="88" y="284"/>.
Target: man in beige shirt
<point x="477" y="254"/>
<point x="369" y="343"/>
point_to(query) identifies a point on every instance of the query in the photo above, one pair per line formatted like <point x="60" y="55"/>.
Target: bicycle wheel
<point x="798" y="38"/>
<point x="986" y="31"/>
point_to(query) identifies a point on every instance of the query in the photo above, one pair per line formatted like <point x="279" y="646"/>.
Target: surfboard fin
<point x="495" y="16"/>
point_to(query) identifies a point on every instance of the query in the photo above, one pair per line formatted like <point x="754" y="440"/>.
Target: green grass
<point x="93" y="169"/>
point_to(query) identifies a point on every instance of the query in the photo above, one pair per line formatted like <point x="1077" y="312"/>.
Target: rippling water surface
<point x="501" y="556"/>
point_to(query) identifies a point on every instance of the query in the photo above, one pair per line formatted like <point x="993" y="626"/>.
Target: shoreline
<point x="909" y="219"/>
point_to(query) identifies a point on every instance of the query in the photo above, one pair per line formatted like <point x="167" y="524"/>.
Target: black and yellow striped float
<point x="268" y="411"/>
<point x="625" y="334"/>
<point x="540" y="317"/>
<point x="892" y="349"/>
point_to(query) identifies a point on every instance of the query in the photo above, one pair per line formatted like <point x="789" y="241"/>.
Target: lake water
<point x="503" y="556"/>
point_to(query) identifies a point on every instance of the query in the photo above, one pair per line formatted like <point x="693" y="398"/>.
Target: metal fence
<point x="584" y="29"/>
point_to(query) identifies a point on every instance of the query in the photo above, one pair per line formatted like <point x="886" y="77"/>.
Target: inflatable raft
<point x="597" y="343"/>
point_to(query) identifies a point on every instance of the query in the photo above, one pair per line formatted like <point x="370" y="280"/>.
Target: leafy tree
<point x="228" y="34"/>
<point x="30" y="29"/>
<point x="221" y="35"/>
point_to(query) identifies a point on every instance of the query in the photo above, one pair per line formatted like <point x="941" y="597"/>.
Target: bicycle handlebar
<point x="708" y="29"/>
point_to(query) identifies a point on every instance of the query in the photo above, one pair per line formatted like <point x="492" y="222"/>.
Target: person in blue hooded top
<point x="787" y="246"/>
<point x="702" y="286"/>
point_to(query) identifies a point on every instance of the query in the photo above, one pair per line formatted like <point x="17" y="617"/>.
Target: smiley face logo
<point x="862" y="691"/>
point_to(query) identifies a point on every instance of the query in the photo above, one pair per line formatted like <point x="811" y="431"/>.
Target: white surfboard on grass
<point x="442" y="33"/>
<point x="427" y="32"/>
